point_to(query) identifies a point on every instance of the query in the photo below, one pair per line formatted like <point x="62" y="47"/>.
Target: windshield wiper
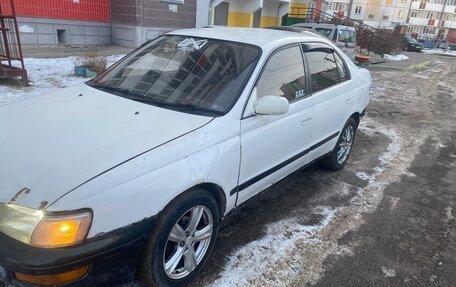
<point x="126" y="93"/>
<point x="112" y="89"/>
<point x="175" y="105"/>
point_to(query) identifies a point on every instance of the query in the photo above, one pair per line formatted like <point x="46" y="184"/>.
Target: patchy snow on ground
<point x="45" y="75"/>
<point x="398" y="57"/>
<point x="440" y="52"/>
<point x="277" y="258"/>
<point x="247" y="262"/>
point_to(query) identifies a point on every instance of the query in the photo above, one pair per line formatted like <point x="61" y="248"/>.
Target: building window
<point x="385" y="17"/>
<point x="413" y="14"/>
<point x="400" y="14"/>
<point x="324" y="72"/>
<point x="371" y="16"/>
<point x="422" y="5"/>
<point x="358" y="10"/>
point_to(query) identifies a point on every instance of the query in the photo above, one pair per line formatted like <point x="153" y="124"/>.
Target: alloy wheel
<point x="188" y="242"/>
<point x="345" y="144"/>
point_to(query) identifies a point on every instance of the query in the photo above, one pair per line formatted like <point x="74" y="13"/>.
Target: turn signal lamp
<point x="62" y="230"/>
<point x="53" y="280"/>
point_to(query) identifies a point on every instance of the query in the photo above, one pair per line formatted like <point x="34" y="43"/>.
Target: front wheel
<point x="182" y="241"/>
<point x="339" y="156"/>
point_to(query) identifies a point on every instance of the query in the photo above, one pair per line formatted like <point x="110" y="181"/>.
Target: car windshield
<point x="190" y="74"/>
<point x="347" y="36"/>
<point x="324" y="31"/>
<point x="412" y="40"/>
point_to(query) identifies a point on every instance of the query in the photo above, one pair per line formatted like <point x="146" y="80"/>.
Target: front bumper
<point x="112" y="258"/>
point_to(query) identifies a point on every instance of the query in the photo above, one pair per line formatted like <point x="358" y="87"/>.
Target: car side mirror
<point x="271" y="105"/>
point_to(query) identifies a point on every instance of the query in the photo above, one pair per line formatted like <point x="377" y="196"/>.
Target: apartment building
<point x="136" y="21"/>
<point x="129" y="23"/>
<point x="262" y="13"/>
<point x="431" y="19"/>
<point x="249" y="13"/>
<point x="55" y="22"/>
<point x="385" y="14"/>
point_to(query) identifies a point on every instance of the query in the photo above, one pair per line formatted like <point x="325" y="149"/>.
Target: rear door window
<point x="324" y="71"/>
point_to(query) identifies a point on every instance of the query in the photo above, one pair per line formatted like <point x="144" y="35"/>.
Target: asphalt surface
<point x="387" y="219"/>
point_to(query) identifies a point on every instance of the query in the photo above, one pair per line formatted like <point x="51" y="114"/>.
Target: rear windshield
<point x="324" y="31"/>
<point x="190" y="74"/>
<point x="346" y="36"/>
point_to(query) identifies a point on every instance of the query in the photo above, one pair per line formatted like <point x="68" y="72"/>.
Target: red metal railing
<point x="369" y="39"/>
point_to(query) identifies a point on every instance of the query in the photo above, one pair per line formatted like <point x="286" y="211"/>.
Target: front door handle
<point x="306" y="121"/>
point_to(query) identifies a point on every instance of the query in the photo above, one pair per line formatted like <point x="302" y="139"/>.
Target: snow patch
<point x="388" y="272"/>
<point x="399" y="57"/>
<point x="440" y="52"/>
<point x="393" y="148"/>
<point x="26" y="29"/>
<point x="246" y="263"/>
<point x="45" y="76"/>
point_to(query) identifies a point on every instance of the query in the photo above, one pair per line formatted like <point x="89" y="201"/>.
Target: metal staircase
<point x="369" y="39"/>
<point x="11" y="57"/>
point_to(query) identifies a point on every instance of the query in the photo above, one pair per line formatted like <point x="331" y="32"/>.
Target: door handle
<point x="306" y="121"/>
<point x="347" y="101"/>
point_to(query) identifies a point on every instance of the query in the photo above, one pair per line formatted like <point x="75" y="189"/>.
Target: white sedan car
<point x="128" y="176"/>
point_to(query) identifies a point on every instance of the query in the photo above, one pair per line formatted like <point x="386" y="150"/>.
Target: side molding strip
<point x="281" y="165"/>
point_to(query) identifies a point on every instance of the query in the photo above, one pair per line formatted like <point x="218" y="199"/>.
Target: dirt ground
<point x="387" y="219"/>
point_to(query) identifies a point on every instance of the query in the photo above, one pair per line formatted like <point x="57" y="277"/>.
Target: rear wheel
<point x="182" y="241"/>
<point x="339" y="156"/>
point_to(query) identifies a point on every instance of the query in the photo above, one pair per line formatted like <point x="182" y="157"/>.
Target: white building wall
<point x="202" y="13"/>
<point x="450" y="9"/>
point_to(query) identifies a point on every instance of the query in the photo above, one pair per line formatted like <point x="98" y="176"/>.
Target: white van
<point x="343" y="36"/>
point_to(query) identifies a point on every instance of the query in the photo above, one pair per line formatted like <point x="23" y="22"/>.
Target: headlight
<point x="19" y="222"/>
<point x="45" y="230"/>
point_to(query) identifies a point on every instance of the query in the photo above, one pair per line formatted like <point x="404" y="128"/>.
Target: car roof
<point x="297" y="29"/>
<point x="264" y="38"/>
<point x="323" y="25"/>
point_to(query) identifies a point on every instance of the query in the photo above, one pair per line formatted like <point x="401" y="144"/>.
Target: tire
<point x="189" y="255"/>
<point x="339" y="156"/>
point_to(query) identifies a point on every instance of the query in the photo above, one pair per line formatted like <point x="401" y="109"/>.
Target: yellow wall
<point x="268" y="21"/>
<point x="294" y="11"/>
<point x="240" y="19"/>
<point x="298" y="5"/>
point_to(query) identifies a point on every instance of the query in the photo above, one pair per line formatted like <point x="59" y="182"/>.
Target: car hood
<point x="49" y="145"/>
